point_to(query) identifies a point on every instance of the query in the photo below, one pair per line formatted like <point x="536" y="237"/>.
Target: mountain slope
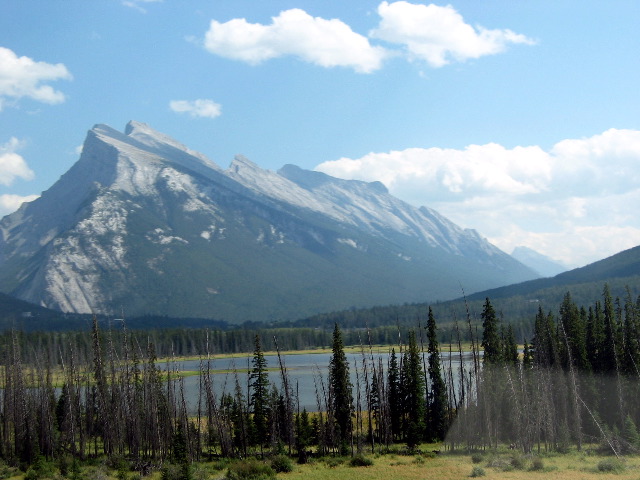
<point x="624" y="264"/>
<point x="545" y="266"/>
<point x="143" y="224"/>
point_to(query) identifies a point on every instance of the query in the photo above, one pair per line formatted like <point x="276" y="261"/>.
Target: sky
<point x="518" y="119"/>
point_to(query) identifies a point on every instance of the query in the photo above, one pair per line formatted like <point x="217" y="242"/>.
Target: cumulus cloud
<point x="202" y="108"/>
<point x="571" y="202"/>
<point x="439" y="35"/>
<point x="328" y="43"/>
<point x="24" y="77"/>
<point x="12" y="165"/>
<point x="10" y="203"/>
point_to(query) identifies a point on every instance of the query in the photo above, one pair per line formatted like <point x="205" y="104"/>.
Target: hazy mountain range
<point x="142" y="224"/>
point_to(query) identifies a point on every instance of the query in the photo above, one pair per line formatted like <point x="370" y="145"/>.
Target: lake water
<point x="304" y="373"/>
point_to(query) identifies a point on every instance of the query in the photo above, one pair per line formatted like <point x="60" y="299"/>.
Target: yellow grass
<point x="572" y="466"/>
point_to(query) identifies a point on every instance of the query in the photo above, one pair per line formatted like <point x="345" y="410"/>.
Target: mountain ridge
<point x="141" y="222"/>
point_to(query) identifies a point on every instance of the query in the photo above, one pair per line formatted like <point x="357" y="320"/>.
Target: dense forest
<point x="105" y="393"/>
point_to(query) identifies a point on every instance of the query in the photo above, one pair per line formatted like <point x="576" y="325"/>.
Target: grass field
<point x="571" y="466"/>
<point x="504" y="464"/>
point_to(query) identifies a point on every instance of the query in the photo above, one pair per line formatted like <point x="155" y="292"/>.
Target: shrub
<point x="282" y="464"/>
<point x="517" y="462"/>
<point x="40" y="468"/>
<point x="333" y="462"/>
<point x="537" y="464"/>
<point x="476" y="458"/>
<point x="171" y="471"/>
<point x="477" y="472"/>
<point x="610" y="465"/>
<point x="360" y="461"/>
<point x="250" y="469"/>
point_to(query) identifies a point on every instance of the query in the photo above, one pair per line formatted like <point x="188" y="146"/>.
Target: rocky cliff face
<point x="143" y="224"/>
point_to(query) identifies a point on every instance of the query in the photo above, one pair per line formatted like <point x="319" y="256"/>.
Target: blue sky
<point x="518" y="119"/>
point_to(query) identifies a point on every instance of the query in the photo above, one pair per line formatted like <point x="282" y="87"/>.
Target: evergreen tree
<point x="394" y="393"/>
<point x="574" y="345"/>
<point x="413" y="390"/>
<point x="595" y="337"/>
<point x="630" y="361"/>
<point x="490" y="335"/>
<point x="437" y="408"/>
<point x="608" y="356"/>
<point x="341" y="396"/>
<point x="510" y="347"/>
<point x="259" y="400"/>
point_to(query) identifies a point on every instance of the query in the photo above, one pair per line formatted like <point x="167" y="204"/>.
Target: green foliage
<point x="438" y="402"/>
<point x="413" y="391"/>
<point x="477" y="457"/>
<point x="537" y="464"/>
<point x="250" y="469"/>
<point x="281" y="464"/>
<point x="610" y="465"/>
<point x="176" y="471"/>
<point x="333" y="462"/>
<point x="360" y="461"/>
<point x="40" y="468"/>
<point x="259" y="398"/>
<point x="477" y="472"/>
<point x="340" y="385"/>
<point x="491" y="341"/>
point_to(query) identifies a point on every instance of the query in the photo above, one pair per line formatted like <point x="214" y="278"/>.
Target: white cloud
<point x="24" y="77"/>
<point x="197" y="108"/>
<point x="10" y="203"/>
<point x="573" y="202"/>
<point x="12" y="165"/>
<point x="328" y="43"/>
<point x="439" y="35"/>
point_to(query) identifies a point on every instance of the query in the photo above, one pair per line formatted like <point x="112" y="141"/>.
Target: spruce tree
<point x="437" y="418"/>
<point x="574" y="346"/>
<point x="259" y="399"/>
<point x="608" y="356"/>
<point x="413" y="390"/>
<point x="341" y="396"/>
<point x="394" y="393"/>
<point x="490" y="335"/>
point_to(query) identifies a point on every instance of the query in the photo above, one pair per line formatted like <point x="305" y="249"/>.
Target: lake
<point x="304" y="372"/>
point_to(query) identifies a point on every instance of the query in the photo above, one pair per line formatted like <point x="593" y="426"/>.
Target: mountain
<point x="623" y="266"/>
<point x="543" y="265"/>
<point x="142" y="224"/>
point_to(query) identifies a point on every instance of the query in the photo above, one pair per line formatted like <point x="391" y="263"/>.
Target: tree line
<point x="106" y="394"/>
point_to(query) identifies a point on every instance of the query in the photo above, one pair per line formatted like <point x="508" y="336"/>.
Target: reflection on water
<point x="305" y="372"/>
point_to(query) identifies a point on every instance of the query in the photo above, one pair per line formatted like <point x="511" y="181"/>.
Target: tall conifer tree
<point x="341" y="392"/>
<point x="259" y="400"/>
<point x="413" y="389"/>
<point x="437" y="418"/>
<point x="491" y="341"/>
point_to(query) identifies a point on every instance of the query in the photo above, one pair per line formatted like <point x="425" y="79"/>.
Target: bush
<point x="477" y="472"/>
<point x="333" y="462"/>
<point x="250" y="469"/>
<point x="360" y="461"/>
<point x="517" y="462"/>
<point x="282" y="464"/>
<point x="476" y="458"/>
<point x="537" y="465"/>
<point x="610" y="465"/>
<point x="40" y="468"/>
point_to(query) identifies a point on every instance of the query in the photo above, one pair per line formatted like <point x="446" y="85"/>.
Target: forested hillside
<point x="575" y="382"/>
